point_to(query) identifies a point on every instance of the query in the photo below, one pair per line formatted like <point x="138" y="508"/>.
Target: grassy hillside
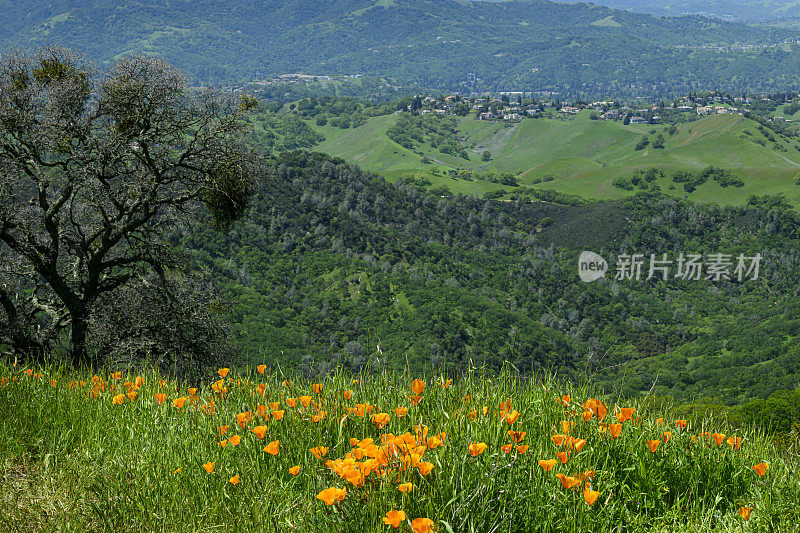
<point x="249" y="451"/>
<point x="583" y="156"/>
<point x="512" y="45"/>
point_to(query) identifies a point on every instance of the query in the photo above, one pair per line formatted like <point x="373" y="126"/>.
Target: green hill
<point x="460" y="45"/>
<point x="584" y="156"/>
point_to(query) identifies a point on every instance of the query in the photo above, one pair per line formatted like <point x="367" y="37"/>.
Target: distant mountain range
<point x="738" y="10"/>
<point x="531" y="45"/>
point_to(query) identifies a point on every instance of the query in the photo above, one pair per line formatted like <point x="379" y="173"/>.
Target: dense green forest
<point x="520" y="45"/>
<point x="741" y="10"/>
<point x="336" y="266"/>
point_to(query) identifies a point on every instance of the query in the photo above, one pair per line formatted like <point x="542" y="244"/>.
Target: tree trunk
<point x="78" y="354"/>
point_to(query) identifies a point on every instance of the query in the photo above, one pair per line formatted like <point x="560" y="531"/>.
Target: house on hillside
<point x="486" y="116"/>
<point x="638" y="120"/>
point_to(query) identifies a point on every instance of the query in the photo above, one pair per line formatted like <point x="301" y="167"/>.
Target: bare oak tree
<point x="93" y="168"/>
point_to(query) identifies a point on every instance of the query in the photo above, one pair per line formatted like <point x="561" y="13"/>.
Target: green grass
<point x="73" y="460"/>
<point x="584" y="156"/>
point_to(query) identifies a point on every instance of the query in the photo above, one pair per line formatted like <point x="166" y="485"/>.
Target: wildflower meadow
<point x="253" y="451"/>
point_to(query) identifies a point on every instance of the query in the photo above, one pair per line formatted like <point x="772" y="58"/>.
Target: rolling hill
<point x="583" y="156"/>
<point x="453" y="44"/>
<point x="740" y="10"/>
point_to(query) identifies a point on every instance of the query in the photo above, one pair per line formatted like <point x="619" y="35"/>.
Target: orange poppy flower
<point x="578" y="445"/>
<point x="179" y="402"/>
<point x="317" y="388"/>
<point x="131" y="395"/>
<point x="261" y="389"/>
<point x="424" y="467"/>
<point x="234" y="480"/>
<point x="590" y="496"/>
<point x="400" y="412"/>
<point x="566" y="399"/>
<point x="260" y="431"/>
<point x="405" y="487"/>
<point x="222" y="430"/>
<point x="272" y="447"/>
<point x="512" y="417"/>
<point x="262" y="411"/>
<point x="614" y="430"/>
<point x="394" y="518"/>
<point x="558" y="440"/>
<point x="160" y="398"/>
<point x="332" y="495"/>
<point x="223" y="443"/>
<point x="415" y="399"/>
<point x="666" y="436"/>
<point x="118" y="399"/>
<point x="291" y="402"/>
<point x="115" y="375"/>
<point x="516" y="436"/>
<point x="567" y="481"/>
<point x="286" y="383"/>
<point x="177" y="470"/>
<point x="507" y="448"/>
<point x="235" y="440"/>
<point x="446" y="383"/>
<point x="760" y="468"/>
<point x="418" y="386"/>
<point x="319" y="452"/>
<point x="563" y="457"/>
<point x="223" y="372"/>
<point x="422" y="525"/>
<point x="681" y="424"/>
<point x="295" y="470"/>
<point x="192" y="391"/>
<point x="277" y="415"/>
<point x="744" y="512"/>
<point x="243" y="418"/>
<point x="547" y="464"/>
<point x="380" y="420"/>
<point x="348" y="394"/>
<point x="261" y="368"/>
<point x="735" y="442"/>
<point x="653" y="445"/>
<point x="477" y="448"/>
<point x="659" y="421"/>
<point x="305" y="400"/>
<point x="719" y="438"/>
<point x="625" y="413"/>
<point x="209" y="467"/>
<point x="522" y="448"/>
<point x="219" y="387"/>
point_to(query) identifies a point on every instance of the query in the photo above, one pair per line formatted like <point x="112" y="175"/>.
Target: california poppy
<point x="512" y="417"/>
<point x="332" y="495"/>
<point x="260" y="431"/>
<point x="681" y="424"/>
<point x="222" y="430"/>
<point x="223" y="443"/>
<point x="422" y="525"/>
<point x="625" y="413"/>
<point x="160" y="397"/>
<point x="317" y="388"/>
<point x="566" y="399"/>
<point x="760" y="468"/>
<point x="118" y="399"/>
<point x="477" y="448"/>
<point x="277" y="415"/>
<point x="547" y="464"/>
<point x="563" y="457"/>
<point x="209" y="467"/>
<point x="177" y="470"/>
<point x="348" y="394"/>
<point x="291" y="402"/>
<point x="394" y="518"/>
<point x="522" y="448"/>
<point x="567" y="481"/>
<point x="579" y="444"/>
<point x="405" y="487"/>
<point x="614" y="430"/>
<point x="744" y="512"/>
<point x="234" y="480"/>
<point x="424" y="467"/>
<point x="261" y="368"/>
<point x="380" y="419"/>
<point x="294" y="470"/>
<point x="653" y="445"/>
<point x="223" y="372"/>
<point x="418" y="386"/>
<point x="507" y="448"/>
<point x="272" y="447"/>
<point x="590" y="496"/>
<point x="305" y="400"/>
<point x="319" y="452"/>
<point x="735" y="442"/>
<point x="243" y="418"/>
<point x="516" y="436"/>
<point x="235" y="440"/>
<point x="400" y="412"/>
